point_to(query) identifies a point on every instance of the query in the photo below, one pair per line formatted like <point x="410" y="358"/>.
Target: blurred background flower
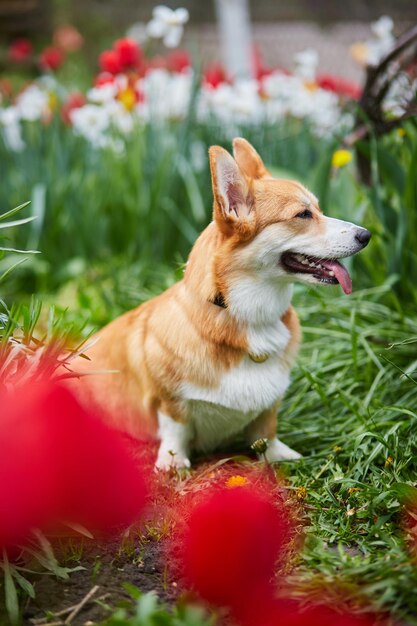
<point x="168" y="24"/>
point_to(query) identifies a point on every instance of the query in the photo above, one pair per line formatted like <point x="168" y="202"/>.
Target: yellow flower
<point x="353" y="490"/>
<point x="128" y="98"/>
<point x="236" y="481"/>
<point x="341" y="158"/>
<point x="389" y="461"/>
<point x="52" y="100"/>
<point x="301" y="493"/>
<point x="400" y="132"/>
<point x="310" y="85"/>
<point x="360" y="53"/>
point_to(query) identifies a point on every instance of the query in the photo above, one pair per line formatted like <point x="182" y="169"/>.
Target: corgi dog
<point x="210" y="358"/>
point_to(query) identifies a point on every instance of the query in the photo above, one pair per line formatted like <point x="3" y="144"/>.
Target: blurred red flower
<point x="339" y="86"/>
<point x="215" y="75"/>
<point x="68" y="38"/>
<point x="159" y="62"/>
<point x="260" y="70"/>
<point x="59" y="462"/>
<point x="128" y="52"/>
<point x="20" y="50"/>
<point x="51" y="58"/>
<point x="231" y="544"/>
<point x="6" y="88"/>
<point x="278" y="612"/>
<point x="104" y="78"/>
<point x="74" y="101"/>
<point x="178" y="61"/>
<point x="109" y="61"/>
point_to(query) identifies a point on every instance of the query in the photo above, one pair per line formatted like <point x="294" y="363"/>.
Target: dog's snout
<point x="363" y="236"/>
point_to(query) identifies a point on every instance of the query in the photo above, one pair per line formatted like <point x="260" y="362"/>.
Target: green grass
<point x="351" y="411"/>
<point x="149" y="612"/>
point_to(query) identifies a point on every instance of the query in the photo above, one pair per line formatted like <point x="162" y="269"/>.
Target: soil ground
<point x="107" y="566"/>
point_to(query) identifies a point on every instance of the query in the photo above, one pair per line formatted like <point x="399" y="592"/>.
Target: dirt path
<point x="107" y="567"/>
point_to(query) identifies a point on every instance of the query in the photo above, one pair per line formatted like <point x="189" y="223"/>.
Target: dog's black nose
<point x="363" y="236"/>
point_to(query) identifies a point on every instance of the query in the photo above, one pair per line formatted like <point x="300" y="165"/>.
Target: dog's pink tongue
<point x="342" y="275"/>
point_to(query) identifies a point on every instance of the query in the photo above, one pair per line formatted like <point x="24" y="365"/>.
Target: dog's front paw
<point x="278" y="451"/>
<point x="168" y="459"/>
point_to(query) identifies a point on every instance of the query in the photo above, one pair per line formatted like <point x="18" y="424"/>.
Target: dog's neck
<point x="247" y="298"/>
<point x="256" y="302"/>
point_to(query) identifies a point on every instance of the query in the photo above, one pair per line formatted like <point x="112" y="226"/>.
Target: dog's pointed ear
<point x="233" y="201"/>
<point x="248" y="159"/>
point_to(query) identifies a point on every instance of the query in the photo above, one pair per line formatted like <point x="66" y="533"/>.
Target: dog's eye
<point x="305" y="215"/>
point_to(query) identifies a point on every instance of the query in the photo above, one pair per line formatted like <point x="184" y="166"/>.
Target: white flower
<point x="291" y="96"/>
<point x="374" y="50"/>
<point x="49" y="83"/>
<point x="379" y="47"/>
<point x="232" y="104"/>
<point x="167" y="96"/>
<point x="104" y="93"/>
<point x="383" y="27"/>
<point x="167" y="24"/>
<point x="400" y="94"/>
<point x="119" y="116"/>
<point x="91" y="121"/>
<point x="9" y="116"/>
<point x="306" y="64"/>
<point x="12" y="132"/>
<point x="32" y="103"/>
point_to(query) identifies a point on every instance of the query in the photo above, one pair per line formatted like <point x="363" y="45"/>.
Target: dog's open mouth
<point x="325" y="270"/>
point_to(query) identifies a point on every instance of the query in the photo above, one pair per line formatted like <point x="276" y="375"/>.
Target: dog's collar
<point x="219" y="300"/>
<point x="258" y="358"/>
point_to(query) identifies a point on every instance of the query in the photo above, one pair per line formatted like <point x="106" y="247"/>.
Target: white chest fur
<point x="243" y="393"/>
<point x="213" y="424"/>
<point x="217" y="413"/>
<point x="248" y="387"/>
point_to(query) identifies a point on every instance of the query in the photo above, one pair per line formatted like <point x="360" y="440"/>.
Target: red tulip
<point x="110" y="62"/>
<point x="128" y="52"/>
<point x="214" y="76"/>
<point x="260" y="70"/>
<point x="74" y="101"/>
<point x="104" y="78"/>
<point x="178" y="61"/>
<point x="339" y="85"/>
<point x="20" y="50"/>
<point x="51" y="59"/>
<point x="68" y="38"/>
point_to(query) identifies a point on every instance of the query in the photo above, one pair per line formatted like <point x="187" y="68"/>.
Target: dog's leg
<point x="264" y="427"/>
<point x="174" y="447"/>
